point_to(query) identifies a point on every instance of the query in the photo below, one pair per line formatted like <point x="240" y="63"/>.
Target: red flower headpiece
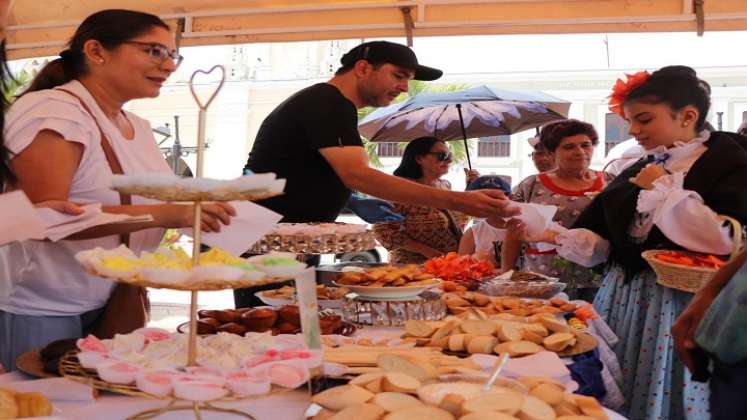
<point x="622" y="89"/>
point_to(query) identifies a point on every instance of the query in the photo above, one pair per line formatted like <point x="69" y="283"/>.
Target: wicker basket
<point x="688" y="279"/>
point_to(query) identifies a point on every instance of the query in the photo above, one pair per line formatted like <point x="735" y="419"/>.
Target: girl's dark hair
<point x="6" y="174"/>
<point x="552" y="134"/>
<point x="111" y="28"/>
<point x="678" y="87"/>
<point x="409" y="166"/>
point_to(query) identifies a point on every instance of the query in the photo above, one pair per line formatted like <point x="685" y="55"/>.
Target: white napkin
<point x="19" y="220"/>
<point x="61" y="225"/>
<point x="250" y="224"/>
<point x="56" y="389"/>
<point x="536" y="217"/>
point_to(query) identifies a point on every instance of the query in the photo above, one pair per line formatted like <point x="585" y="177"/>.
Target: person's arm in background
<point x="351" y="165"/>
<point x="510" y="251"/>
<point x="683" y="330"/>
<point x="511" y="247"/>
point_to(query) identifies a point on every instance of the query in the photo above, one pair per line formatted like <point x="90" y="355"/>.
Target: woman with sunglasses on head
<point x="425" y="232"/>
<point x="570" y="145"/>
<point x="68" y="134"/>
<point x="671" y="199"/>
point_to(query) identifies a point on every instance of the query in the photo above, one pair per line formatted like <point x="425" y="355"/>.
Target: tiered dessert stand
<point x="69" y="365"/>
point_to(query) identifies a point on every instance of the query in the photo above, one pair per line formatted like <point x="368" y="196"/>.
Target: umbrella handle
<point x="464" y="135"/>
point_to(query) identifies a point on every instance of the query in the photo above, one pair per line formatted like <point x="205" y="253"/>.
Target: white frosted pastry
<point x="118" y="372"/>
<point x="92" y="359"/>
<point x="166" y="275"/>
<point x="92" y="343"/>
<point x="156" y="382"/>
<point x="244" y="384"/>
<point x="216" y="272"/>
<point x="198" y="389"/>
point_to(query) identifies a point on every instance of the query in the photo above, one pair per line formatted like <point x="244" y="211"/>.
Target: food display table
<point x="288" y="405"/>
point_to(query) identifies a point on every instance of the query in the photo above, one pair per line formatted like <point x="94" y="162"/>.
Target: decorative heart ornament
<point x="203" y="73"/>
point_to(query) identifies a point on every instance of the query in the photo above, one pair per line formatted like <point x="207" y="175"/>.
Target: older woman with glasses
<point x="425" y="232"/>
<point x="67" y="135"/>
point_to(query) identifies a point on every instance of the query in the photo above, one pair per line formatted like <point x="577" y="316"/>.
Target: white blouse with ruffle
<point x="680" y="214"/>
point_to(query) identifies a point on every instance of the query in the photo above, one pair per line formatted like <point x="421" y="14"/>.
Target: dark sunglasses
<point x="441" y="156"/>
<point x="159" y="52"/>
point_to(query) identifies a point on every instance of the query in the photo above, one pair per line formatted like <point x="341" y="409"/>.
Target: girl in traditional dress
<point x="671" y="199"/>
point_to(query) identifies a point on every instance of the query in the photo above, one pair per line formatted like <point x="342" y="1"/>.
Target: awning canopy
<point x="41" y="27"/>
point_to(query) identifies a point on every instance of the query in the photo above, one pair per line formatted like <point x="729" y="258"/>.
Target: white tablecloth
<point x="287" y="406"/>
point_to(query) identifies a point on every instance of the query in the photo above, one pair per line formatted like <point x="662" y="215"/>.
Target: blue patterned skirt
<point x="656" y="384"/>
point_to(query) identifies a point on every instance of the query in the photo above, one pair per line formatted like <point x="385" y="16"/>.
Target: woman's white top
<point x="485" y="235"/>
<point x="43" y="278"/>
<point x="680" y="214"/>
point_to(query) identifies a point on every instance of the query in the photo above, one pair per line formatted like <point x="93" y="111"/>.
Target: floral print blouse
<point x="440" y="229"/>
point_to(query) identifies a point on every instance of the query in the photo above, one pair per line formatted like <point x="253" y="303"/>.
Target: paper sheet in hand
<point x="535" y="216"/>
<point x="19" y="220"/>
<point x="251" y="223"/>
<point x="61" y="225"/>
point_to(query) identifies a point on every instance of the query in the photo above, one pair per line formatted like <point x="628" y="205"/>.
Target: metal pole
<point x="176" y="148"/>
<point x="464" y="135"/>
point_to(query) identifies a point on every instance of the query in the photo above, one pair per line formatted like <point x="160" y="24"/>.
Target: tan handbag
<point x="128" y="307"/>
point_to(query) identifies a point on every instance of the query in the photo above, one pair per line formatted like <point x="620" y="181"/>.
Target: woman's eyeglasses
<point x="442" y="156"/>
<point x="159" y="52"/>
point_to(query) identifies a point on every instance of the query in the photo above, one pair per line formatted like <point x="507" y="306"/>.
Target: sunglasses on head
<point x="441" y="156"/>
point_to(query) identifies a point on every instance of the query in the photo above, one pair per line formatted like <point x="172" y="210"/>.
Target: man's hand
<point x="485" y="203"/>
<point x="61" y="206"/>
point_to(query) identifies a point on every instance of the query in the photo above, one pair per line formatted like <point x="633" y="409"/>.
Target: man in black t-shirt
<point x="312" y="141"/>
<point x="288" y="144"/>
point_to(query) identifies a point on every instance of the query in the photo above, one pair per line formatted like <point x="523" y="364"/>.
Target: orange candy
<point x="458" y="268"/>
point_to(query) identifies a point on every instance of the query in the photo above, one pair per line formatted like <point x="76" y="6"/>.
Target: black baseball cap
<point x="376" y="52"/>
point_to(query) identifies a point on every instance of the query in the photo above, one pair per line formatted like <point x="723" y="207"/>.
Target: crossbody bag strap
<point x="111" y="158"/>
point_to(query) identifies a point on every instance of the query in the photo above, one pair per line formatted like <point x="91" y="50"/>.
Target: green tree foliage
<point x="416" y="87"/>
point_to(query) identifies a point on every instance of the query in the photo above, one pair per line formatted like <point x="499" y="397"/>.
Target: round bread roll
<point x="362" y="411"/>
<point x="508" y="332"/>
<point x="488" y="415"/>
<point x="420" y="413"/>
<point x="590" y="406"/>
<point x="499" y="399"/>
<point x="364" y="379"/>
<point x="518" y="348"/>
<point x="399" y="382"/>
<point x="456" y="342"/>
<point x="8" y="406"/>
<point x="558" y="341"/>
<point x="535" y="409"/>
<point x="478" y="327"/>
<point x="549" y="393"/>
<point x="481" y="345"/>
<point x="340" y="397"/>
<point x="393" y="401"/>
